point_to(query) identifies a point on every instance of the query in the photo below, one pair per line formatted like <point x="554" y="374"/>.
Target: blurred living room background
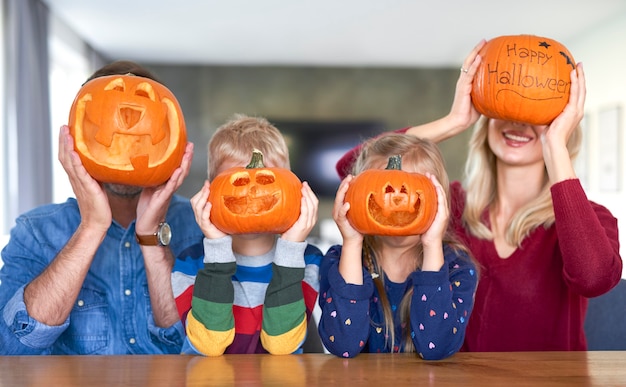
<point x="328" y="74"/>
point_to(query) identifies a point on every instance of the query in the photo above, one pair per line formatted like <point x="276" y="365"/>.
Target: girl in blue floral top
<point x="403" y="293"/>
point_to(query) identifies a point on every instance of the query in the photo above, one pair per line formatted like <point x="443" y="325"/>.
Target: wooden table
<point x="463" y="369"/>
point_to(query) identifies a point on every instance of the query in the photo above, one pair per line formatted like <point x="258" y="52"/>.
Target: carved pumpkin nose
<point x="400" y="200"/>
<point x="130" y="116"/>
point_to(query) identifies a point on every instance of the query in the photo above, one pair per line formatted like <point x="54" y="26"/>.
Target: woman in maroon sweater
<point x="542" y="246"/>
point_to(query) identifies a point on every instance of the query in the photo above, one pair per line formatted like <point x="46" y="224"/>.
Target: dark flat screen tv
<point x="316" y="146"/>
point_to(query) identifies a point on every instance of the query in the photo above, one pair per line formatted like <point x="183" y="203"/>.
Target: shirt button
<point x="127" y="292"/>
<point x="81" y="302"/>
<point x="132" y="340"/>
<point x="127" y="244"/>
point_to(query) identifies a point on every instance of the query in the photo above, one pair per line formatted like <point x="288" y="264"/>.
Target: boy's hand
<point x="308" y="216"/>
<point x="202" y="211"/>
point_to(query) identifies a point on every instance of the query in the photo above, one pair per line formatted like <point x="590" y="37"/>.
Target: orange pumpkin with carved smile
<point x="128" y="130"/>
<point x="391" y="202"/>
<point x="255" y="199"/>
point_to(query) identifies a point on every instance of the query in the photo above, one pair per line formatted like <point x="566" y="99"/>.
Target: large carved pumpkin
<point x="128" y="130"/>
<point x="523" y="78"/>
<point x="255" y="199"/>
<point x="391" y="201"/>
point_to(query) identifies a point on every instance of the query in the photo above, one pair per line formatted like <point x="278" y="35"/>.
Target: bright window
<point x="3" y="226"/>
<point x="69" y="68"/>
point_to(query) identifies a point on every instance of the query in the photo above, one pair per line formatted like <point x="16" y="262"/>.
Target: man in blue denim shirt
<point x="75" y="279"/>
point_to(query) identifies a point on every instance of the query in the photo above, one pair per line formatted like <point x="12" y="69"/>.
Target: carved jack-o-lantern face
<point x="255" y="199"/>
<point x="523" y="78"/>
<point x="391" y="201"/>
<point x="128" y="130"/>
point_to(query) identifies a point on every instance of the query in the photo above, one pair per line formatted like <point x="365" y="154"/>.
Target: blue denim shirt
<point x="112" y="314"/>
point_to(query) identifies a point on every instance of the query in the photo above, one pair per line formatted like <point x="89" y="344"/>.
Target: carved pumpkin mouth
<point x="249" y="205"/>
<point x="396" y="208"/>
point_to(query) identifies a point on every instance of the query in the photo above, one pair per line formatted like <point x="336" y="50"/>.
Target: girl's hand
<point x="202" y="211"/>
<point x="432" y="239"/>
<point x="435" y="233"/>
<point x="308" y="216"/>
<point x="350" y="266"/>
<point x="340" y="210"/>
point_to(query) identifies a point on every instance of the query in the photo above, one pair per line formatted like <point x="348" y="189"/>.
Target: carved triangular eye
<point x="389" y="189"/>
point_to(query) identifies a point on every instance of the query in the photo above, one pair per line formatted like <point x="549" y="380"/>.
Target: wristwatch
<point x="160" y="238"/>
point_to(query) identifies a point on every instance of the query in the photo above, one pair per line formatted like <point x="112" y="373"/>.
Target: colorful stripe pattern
<point x="251" y="304"/>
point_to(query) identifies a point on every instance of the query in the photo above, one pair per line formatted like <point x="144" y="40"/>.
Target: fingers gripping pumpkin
<point x="523" y="78"/>
<point x="128" y="130"/>
<point x="255" y="199"/>
<point x="391" y="202"/>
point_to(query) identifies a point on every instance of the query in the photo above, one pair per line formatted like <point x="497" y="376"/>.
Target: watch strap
<point x="147" y="240"/>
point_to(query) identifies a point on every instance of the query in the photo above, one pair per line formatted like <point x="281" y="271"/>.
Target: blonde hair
<point x="423" y="156"/>
<point x="480" y="184"/>
<point x="238" y="137"/>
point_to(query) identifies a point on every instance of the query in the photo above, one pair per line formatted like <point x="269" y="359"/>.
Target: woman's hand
<point x="463" y="114"/>
<point x="555" y="137"/>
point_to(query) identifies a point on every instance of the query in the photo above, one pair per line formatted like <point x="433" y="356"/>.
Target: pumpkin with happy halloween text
<point x="523" y="78"/>
<point x="128" y="130"/>
<point x="391" y="201"/>
<point x="255" y="199"/>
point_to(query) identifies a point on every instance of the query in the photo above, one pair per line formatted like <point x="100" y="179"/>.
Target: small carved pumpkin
<point x="391" y="201"/>
<point x="255" y="199"/>
<point x="128" y="130"/>
<point x="523" y="78"/>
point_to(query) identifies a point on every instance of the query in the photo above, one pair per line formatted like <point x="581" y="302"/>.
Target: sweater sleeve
<point x="210" y="323"/>
<point x="588" y="238"/>
<point x="345" y="323"/>
<point x="284" y="312"/>
<point x="441" y="305"/>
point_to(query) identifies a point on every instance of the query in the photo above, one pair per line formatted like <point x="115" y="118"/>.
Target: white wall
<point x="603" y="54"/>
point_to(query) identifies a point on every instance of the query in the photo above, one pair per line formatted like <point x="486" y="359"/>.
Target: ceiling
<point x="379" y="33"/>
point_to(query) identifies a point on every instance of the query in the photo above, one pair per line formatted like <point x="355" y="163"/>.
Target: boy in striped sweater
<point x="253" y="293"/>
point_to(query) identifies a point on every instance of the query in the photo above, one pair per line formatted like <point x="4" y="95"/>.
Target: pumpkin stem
<point x="257" y="160"/>
<point x="395" y="162"/>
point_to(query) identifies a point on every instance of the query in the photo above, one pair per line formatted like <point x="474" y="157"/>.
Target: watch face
<point x="165" y="234"/>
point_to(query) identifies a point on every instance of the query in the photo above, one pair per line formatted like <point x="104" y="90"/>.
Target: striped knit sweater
<point x="241" y="304"/>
